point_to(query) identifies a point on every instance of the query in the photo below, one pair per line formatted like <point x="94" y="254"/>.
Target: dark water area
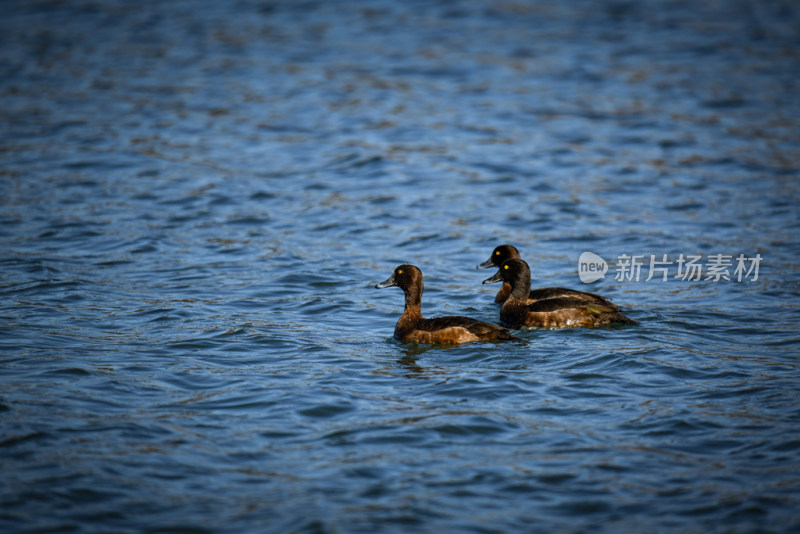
<point x="197" y="199"/>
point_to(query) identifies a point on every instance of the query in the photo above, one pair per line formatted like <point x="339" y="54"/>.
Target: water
<point x="198" y="198"/>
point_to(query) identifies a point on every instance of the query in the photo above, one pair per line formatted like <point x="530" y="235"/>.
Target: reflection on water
<point x="198" y="198"/>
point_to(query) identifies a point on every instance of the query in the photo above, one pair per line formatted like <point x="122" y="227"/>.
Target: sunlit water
<point x="199" y="197"/>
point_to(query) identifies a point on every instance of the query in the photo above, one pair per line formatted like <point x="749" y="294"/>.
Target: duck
<point x="558" y="312"/>
<point x="412" y="327"/>
<point x="506" y="252"/>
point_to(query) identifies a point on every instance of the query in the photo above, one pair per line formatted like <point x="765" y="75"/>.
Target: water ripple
<point x="194" y="216"/>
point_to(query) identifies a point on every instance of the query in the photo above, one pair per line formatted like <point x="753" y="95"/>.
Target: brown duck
<point x="507" y="252"/>
<point x="557" y="312"/>
<point x="412" y="327"/>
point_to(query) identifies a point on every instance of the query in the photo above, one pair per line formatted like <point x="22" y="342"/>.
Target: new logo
<point x="591" y="267"/>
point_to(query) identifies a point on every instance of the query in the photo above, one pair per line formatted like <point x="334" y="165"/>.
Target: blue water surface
<point x="197" y="199"/>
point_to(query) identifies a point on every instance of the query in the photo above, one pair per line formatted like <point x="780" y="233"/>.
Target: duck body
<point x="506" y="252"/>
<point x="446" y="330"/>
<point x="412" y="327"/>
<point x="563" y="312"/>
<point x="556" y="312"/>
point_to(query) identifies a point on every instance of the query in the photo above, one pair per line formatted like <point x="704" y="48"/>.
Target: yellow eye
<point x="505" y="266"/>
<point x="399" y="271"/>
<point x="496" y="252"/>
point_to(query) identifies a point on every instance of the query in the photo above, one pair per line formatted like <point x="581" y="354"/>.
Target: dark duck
<point x="412" y="327"/>
<point x="559" y="312"/>
<point x="509" y="252"/>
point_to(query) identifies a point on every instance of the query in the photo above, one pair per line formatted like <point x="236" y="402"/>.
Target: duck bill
<point x="485" y="265"/>
<point x="386" y="283"/>
<point x="496" y="278"/>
